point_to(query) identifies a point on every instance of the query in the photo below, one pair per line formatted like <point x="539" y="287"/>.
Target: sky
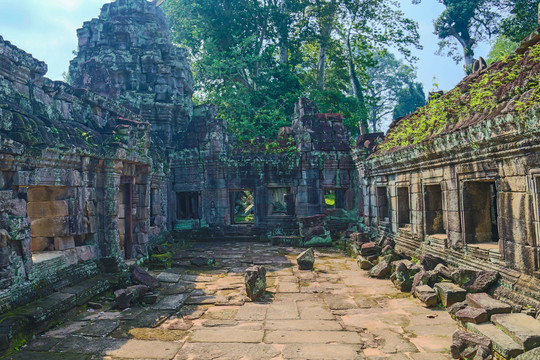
<point x="47" y="30"/>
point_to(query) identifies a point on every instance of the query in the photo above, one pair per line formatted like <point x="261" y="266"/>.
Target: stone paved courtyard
<point x="333" y="312"/>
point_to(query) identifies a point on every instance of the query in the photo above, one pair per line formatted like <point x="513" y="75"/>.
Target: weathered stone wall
<point x="496" y="154"/>
<point x="126" y="54"/>
<point x="63" y="151"/>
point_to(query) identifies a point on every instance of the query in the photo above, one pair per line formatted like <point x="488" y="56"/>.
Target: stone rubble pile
<point x="490" y="328"/>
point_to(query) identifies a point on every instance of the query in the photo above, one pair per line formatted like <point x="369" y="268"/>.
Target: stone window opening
<point x="242" y="206"/>
<point x="334" y="199"/>
<point x="480" y="212"/>
<point x="404" y="210"/>
<point x="383" y="208"/>
<point x="125" y="216"/>
<point x="187" y="205"/>
<point x="434" y="216"/>
<point x="279" y="200"/>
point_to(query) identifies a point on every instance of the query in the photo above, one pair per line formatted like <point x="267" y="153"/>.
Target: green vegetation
<point x="329" y="200"/>
<point x="254" y="59"/>
<point x="479" y="98"/>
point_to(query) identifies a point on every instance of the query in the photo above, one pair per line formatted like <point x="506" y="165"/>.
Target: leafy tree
<point x="466" y="22"/>
<point x="409" y="99"/>
<point x="387" y="78"/>
<point x="502" y="47"/>
<point x="522" y="21"/>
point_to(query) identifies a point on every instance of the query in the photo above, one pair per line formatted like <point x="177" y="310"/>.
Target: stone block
<point x="472" y="314"/>
<point x="368" y="249"/>
<point x="16" y="207"/>
<point x="500" y="342"/>
<point x="474" y="281"/>
<point x="449" y="293"/>
<point x="464" y="341"/>
<point x="426" y="295"/>
<point x="50" y="227"/>
<point x="255" y="280"/>
<point x="486" y="302"/>
<point x="40" y="243"/>
<point x="306" y="259"/>
<point x="71" y="256"/>
<point x="64" y="243"/>
<point x="48" y="209"/>
<point x="84" y="253"/>
<point x="381" y="270"/>
<point x="523" y="329"/>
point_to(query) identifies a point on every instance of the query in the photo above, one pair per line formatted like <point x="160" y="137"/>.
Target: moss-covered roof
<point x="510" y="86"/>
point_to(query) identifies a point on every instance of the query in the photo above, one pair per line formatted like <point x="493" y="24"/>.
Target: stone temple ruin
<point x="96" y="173"/>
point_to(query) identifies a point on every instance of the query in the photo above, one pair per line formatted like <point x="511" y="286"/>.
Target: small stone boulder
<point x="144" y="278"/>
<point x="381" y="270"/>
<point x="443" y="271"/>
<point x="402" y="281"/>
<point x="472" y="315"/>
<point x="255" y="280"/>
<point x="364" y="263"/>
<point x="426" y="295"/>
<point x="454" y="308"/>
<point x="306" y="259"/>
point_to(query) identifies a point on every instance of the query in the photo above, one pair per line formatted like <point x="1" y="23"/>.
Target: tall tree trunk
<point x="327" y="24"/>
<point x="283" y="33"/>
<point x="357" y="89"/>
<point x="467" y="43"/>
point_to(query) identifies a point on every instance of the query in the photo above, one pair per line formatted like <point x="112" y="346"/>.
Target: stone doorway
<point x="480" y="212"/>
<point x="383" y="210"/>
<point x="242" y="207"/>
<point x="433" y="201"/>
<point x="125" y="217"/>
<point x="404" y="210"/>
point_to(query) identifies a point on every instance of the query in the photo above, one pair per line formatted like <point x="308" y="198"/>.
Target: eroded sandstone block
<point x="255" y="280"/>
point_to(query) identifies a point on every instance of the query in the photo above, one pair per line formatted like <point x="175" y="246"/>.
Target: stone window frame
<point x="442" y="184"/>
<point x="534" y="190"/>
<point x="484" y="176"/>
<point x="400" y="185"/>
<point x="270" y="189"/>
<point x="333" y="188"/>
<point x="231" y="207"/>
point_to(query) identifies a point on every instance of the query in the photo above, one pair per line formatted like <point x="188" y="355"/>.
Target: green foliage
<point x="255" y="58"/>
<point x="501" y="48"/>
<point x="522" y="21"/>
<point x="409" y="99"/>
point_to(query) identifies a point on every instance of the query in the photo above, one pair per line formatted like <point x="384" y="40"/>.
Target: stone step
<point x="503" y="344"/>
<point x="486" y="302"/>
<point x="523" y="329"/>
<point x="24" y="322"/>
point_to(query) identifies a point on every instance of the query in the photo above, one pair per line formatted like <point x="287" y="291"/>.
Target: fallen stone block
<point x="402" y="281"/>
<point x="429" y="262"/>
<point x="449" y="293"/>
<point x="306" y="259"/>
<point x="368" y="249"/>
<point x="500" y="342"/>
<point x="529" y="355"/>
<point x="472" y="315"/>
<point x="144" y="278"/>
<point x="125" y="297"/>
<point x="381" y="270"/>
<point x="426" y="295"/>
<point x="255" y="280"/>
<point x="523" y="329"/>
<point x="444" y="271"/>
<point x="454" y="308"/>
<point x="424" y="278"/>
<point x="364" y="263"/>
<point x="202" y="261"/>
<point x="475" y="281"/>
<point x="486" y="302"/>
<point x="465" y="345"/>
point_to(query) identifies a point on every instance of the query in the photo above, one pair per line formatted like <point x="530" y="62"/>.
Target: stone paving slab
<point x="333" y="312"/>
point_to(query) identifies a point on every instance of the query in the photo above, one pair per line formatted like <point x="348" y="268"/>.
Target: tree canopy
<point x="255" y="58"/>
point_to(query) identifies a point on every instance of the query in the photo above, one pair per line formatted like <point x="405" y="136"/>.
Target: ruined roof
<point x="510" y="86"/>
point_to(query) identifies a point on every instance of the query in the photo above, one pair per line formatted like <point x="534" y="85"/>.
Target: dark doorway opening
<point x="404" y="210"/>
<point x="480" y="212"/>
<point x="383" y="210"/>
<point x="187" y="205"/>
<point x="433" y="201"/>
